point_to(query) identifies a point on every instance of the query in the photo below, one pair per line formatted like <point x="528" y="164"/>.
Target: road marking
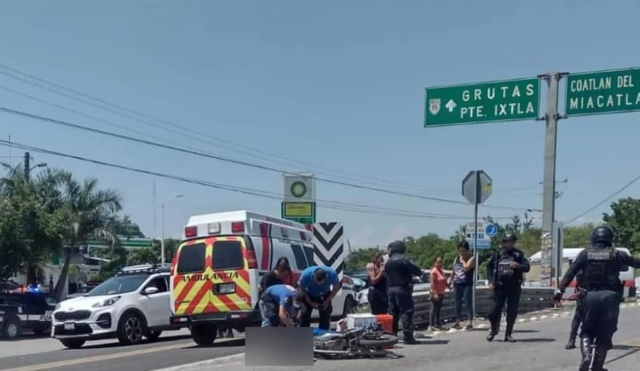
<point x="235" y="359"/>
<point x="106" y="357"/>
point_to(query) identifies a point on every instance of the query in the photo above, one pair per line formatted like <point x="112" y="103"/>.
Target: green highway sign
<point x="508" y="100"/>
<point x="593" y="93"/>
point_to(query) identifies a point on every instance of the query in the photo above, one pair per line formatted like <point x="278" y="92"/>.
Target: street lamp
<point x="162" y="254"/>
<point x="42" y="164"/>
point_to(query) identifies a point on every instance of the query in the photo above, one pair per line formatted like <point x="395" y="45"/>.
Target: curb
<point x="534" y="317"/>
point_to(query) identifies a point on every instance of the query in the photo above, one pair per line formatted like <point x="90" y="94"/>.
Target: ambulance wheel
<point x="72" y="343"/>
<point x="204" y="334"/>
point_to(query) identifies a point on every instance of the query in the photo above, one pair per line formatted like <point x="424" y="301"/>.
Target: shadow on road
<point x="631" y="351"/>
<point x="225" y="344"/>
<point x="423" y="341"/>
<point x="524" y="331"/>
<point x="536" y="340"/>
<point x="27" y="336"/>
<point x="116" y="344"/>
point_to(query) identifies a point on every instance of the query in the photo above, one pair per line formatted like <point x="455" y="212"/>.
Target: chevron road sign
<point x="329" y="246"/>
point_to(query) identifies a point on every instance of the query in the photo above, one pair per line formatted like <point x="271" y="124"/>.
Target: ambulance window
<point x="308" y="252"/>
<point x="227" y="255"/>
<point x="192" y="258"/>
<point x="298" y="254"/>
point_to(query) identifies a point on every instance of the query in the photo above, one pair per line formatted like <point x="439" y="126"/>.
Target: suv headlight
<point x="107" y="302"/>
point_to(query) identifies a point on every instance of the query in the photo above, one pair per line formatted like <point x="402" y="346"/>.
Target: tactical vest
<point x="396" y="271"/>
<point x="505" y="272"/>
<point x="600" y="272"/>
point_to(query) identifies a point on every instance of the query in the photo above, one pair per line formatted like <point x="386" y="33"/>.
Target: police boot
<point x="571" y="344"/>
<point x="408" y="338"/>
<point x="599" y="359"/>
<point x="585" y="348"/>
<point x="507" y="335"/>
<point x="492" y="332"/>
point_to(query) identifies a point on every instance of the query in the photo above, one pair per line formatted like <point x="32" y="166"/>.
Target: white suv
<point x="132" y="305"/>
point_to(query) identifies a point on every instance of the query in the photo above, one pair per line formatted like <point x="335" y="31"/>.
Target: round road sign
<point x="491" y="230"/>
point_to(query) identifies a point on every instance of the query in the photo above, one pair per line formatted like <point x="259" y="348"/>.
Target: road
<point x="540" y="347"/>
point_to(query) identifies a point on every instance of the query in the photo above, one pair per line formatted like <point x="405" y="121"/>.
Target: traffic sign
<point x="507" y="100"/>
<point x="490" y="230"/>
<point x="601" y="92"/>
<point x="296" y="211"/>
<point x="484" y="240"/>
<point x="472" y="190"/>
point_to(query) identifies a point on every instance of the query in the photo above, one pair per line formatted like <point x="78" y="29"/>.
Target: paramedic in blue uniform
<point x="400" y="272"/>
<point x="319" y="285"/>
<point x="505" y="272"/>
<point x="601" y="266"/>
<point x="280" y="306"/>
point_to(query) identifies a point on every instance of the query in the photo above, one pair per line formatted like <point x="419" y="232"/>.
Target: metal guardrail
<point x="532" y="299"/>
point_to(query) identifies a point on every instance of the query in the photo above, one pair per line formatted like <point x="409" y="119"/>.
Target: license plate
<point x="227" y="288"/>
<point x="69" y="326"/>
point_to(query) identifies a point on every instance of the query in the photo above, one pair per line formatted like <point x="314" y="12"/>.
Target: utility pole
<point x="27" y="166"/>
<point x="549" y="181"/>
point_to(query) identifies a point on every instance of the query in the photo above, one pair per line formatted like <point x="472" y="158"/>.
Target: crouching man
<point x="280" y="306"/>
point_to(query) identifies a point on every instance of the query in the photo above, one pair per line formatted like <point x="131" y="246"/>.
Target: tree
<point x="90" y="213"/>
<point x="625" y="221"/>
<point x="143" y="256"/>
<point x="32" y="226"/>
<point x="578" y="236"/>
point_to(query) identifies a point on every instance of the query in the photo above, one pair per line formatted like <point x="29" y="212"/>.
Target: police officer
<point x="601" y="305"/>
<point x="577" y="315"/>
<point x="505" y="272"/>
<point x="400" y="271"/>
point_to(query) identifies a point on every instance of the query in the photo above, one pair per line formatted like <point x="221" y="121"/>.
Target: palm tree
<point x="90" y="213"/>
<point x="42" y="214"/>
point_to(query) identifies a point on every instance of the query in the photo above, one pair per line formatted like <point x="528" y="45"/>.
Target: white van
<point x="218" y="266"/>
<point x="570" y="254"/>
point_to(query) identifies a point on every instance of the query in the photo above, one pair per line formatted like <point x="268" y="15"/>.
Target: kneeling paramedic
<point x="280" y="304"/>
<point x="601" y="265"/>
<point x="400" y="271"/>
<point x="319" y="285"/>
<point x="505" y="271"/>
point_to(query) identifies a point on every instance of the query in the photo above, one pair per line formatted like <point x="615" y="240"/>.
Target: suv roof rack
<point x="145" y="268"/>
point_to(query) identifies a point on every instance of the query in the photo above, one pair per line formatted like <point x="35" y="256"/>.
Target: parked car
<point x="29" y="311"/>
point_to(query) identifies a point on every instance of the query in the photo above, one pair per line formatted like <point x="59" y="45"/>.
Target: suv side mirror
<point x="150" y="290"/>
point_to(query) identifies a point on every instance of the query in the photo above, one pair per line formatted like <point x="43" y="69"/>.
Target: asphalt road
<point x="104" y="356"/>
<point x="540" y="347"/>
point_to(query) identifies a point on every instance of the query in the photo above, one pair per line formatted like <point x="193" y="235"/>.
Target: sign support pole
<point x="475" y="242"/>
<point x="549" y="181"/>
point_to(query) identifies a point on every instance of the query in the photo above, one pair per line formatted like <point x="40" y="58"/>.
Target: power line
<point x="344" y="206"/>
<point x="236" y="162"/>
<point x="614" y="194"/>
<point x="181" y="130"/>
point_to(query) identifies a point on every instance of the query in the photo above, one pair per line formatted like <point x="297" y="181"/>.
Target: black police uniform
<point x="577" y="314"/>
<point x="400" y="271"/>
<point x="507" y="283"/>
<point x="601" y="305"/>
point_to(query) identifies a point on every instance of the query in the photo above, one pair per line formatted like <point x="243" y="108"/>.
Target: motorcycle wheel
<point x="379" y="342"/>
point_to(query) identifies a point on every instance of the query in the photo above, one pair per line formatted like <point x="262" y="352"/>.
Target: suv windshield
<point x="119" y="285"/>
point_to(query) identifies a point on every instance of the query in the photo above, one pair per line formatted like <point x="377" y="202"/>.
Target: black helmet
<point x="603" y="235"/>
<point x="509" y="237"/>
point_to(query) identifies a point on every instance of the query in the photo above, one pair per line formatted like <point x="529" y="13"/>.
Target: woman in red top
<point x="287" y="278"/>
<point x="438" y="287"/>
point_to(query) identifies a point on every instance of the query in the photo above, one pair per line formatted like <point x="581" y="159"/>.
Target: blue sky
<point x="336" y="85"/>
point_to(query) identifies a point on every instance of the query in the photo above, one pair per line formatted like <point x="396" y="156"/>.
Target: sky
<point x="336" y="88"/>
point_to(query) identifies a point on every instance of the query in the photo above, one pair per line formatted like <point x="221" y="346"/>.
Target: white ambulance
<point x="218" y="266"/>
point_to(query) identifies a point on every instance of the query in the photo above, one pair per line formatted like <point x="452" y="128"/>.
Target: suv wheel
<point x="204" y="334"/>
<point x="72" y="343"/>
<point x="11" y="329"/>
<point x="130" y="329"/>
